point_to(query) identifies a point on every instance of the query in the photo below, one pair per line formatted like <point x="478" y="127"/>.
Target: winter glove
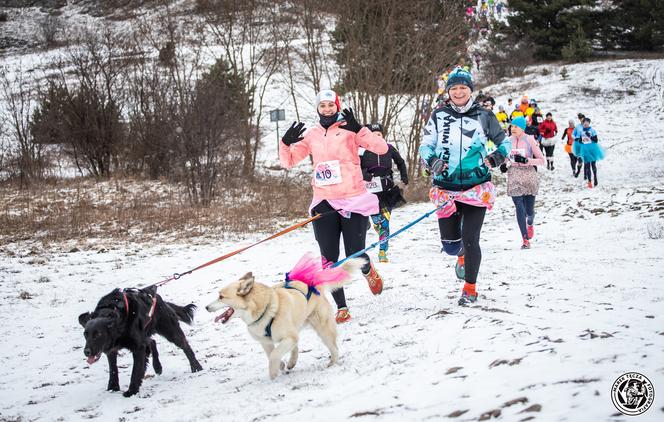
<point x="437" y="166"/>
<point x="351" y="123"/>
<point x="491" y="160"/>
<point x="503" y="168"/>
<point x="293" y="134"/>
<point x="520" y="159"/>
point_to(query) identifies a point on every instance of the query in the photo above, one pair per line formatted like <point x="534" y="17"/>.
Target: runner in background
<point x="568" y="138"/>
<point x="377" y="172"/>
<point x="549" y="130"/>
<point x="587" y="148"/>
<point x="522" y="178"/>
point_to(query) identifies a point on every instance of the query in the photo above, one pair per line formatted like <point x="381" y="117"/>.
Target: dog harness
<point x="268" y="327"/>
<point x="310" y="289"/>
<point x="152" y="307"/>
<point x="126" y="301"/>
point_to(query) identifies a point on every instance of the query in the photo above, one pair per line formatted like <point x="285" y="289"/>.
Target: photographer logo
<point x="632" y="393"/>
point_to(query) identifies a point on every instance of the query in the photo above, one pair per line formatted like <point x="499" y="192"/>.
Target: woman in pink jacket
<point x="337" y="184"/>
<point x="522" y="180"/>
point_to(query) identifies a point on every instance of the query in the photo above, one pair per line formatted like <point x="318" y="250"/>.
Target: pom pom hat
<point x="459" y="76"/>
<point x="328" y="95"/>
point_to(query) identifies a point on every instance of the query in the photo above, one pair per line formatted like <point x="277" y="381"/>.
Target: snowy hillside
<point x="554" y="327"/>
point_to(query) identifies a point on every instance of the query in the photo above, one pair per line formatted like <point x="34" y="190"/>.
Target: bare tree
<point x="316" y="24"/>
<point x="83" y="113"/>
<point x="390" y="52"/>
<point x="187" y="118"/>
<point x="50" y="27"/>
<point x="25" y="154"/>
<point x="249" y="34"/>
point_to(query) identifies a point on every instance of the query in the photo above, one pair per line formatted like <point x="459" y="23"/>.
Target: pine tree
<point x="578" y="48"/>
<point x="639" y="24"/>
<point x="549" y="25"/>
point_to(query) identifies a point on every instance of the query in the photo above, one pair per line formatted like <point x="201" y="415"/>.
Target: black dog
<point x="127" y="318"/>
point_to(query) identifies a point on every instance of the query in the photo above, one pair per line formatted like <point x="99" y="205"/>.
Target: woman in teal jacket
<point x="454" y="148"/>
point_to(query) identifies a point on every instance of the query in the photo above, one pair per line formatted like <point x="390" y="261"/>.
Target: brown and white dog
<point x="275" y="314"/>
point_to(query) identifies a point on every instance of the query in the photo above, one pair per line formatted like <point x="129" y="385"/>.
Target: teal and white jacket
<point x="463" y="140"/>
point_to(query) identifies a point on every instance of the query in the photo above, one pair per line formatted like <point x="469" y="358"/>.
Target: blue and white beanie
<point x="458" y="76"/>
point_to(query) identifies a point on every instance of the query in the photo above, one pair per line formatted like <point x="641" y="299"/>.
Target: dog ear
<point x="84" y="318"/>
<point x="246" y="284"/>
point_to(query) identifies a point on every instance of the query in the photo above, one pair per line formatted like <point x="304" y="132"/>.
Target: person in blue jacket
<point x="577" y="134"/>
<point x="454" y="149"/>
<point x="586" y="147"/>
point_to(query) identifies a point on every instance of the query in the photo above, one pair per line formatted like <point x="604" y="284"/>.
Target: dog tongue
<point x="225" y="316"/>
<point x="92" y="359"/>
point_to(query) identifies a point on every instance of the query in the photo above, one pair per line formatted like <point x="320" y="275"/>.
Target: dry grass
<point x="142" y="210"/>
<point x="122" y="209"/>
<point x="418" y="190"/>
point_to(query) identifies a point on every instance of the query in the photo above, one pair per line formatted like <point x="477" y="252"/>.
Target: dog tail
<point x="319" y="274"/>
<point x="184" y="313"/>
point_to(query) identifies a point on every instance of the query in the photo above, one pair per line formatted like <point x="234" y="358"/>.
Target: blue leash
<point x="373" y="245"/>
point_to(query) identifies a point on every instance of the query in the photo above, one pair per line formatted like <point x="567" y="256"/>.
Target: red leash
<point x="230" y="254"/>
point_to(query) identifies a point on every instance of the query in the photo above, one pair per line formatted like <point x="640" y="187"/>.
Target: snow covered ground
<point x="554" y="327"/>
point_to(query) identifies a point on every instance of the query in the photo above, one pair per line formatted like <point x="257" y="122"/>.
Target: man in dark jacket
<point x="378" y="175"/>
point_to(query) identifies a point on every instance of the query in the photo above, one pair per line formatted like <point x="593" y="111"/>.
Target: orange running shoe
<point x="342" y="315"/>
<point x="375" y="280"/>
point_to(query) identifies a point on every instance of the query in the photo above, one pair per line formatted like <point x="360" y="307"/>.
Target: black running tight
<point x="590" y="169"/>
<point x="465" y="226"/>
<point x="572" y="161"/>
<point x="329" y="228"/>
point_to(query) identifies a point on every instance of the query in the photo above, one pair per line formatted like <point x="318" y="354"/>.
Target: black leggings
<point x="549" y="152"/>
<point x="329" y="228"/>
<point x="587" y="168"/>
<point x="572" y="161"/>
<point x="465" y="226"/>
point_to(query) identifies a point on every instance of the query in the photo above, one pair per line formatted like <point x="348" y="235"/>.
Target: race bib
<point x="585" y="140"/>
<point x="374" y="185"/>
<point x="327" y="173"/>
<point x="517" y="151"/>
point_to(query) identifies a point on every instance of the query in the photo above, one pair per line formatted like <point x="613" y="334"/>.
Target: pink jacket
<point x="529" y="149"/>
<point x="334" y="144"/>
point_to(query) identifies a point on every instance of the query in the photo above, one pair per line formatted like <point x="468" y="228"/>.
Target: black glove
<point x="437" y="166"/>
<point x="293" y="134"/>
<point x="520" y="159"/>
<point x="351" y="123"/>
<point x="404" y="180"/>
<point x="492" y="160"/>
<point x="503" y="168"/>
